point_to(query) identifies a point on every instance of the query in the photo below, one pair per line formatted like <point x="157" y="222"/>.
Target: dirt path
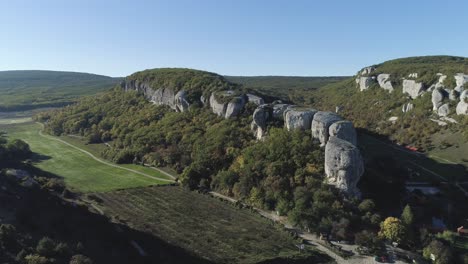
<point x="104" y="162"/>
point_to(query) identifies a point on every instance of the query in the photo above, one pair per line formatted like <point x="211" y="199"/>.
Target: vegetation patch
<point x="222" y="233"/>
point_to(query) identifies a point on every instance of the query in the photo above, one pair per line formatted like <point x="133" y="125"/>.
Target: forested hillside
<point x="284" y="172"/>
<point x="372" y="108"/>
<point x="287" y="88"/>
<point x="21" y="90"/>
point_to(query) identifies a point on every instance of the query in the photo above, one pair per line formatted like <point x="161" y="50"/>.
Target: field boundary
<point x="102" y="161"/>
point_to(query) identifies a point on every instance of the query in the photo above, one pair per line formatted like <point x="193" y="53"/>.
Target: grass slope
<point x="211" y="228"/>
<point x="34" y="89"/>
<point x="79" y="170"/>
<point x="289" y="88"/>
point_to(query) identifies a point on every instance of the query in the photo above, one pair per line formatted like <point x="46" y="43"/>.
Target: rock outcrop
<point x="413" y="88"/>
<point x="343" y="165"/>
<point x="364" y="83"/>
<point x="384" y="82"/>
<point x="255" y="99"/>
<point x="296" y="118"/>
<point x="407" y="107"/>
<point x="460" y="80"/>
<point x="161" y="96"/>
<point x="235" y="106"/>
<point x="462" y="106"/>
<point x="229" y="109"/>
<point x="438" y="96"/>
<point x="279" y="109"/>
<point x="321" y="124"/>
<point x="259" y="121"/>
<point x="444" y="110"/>
<point x="367" y="70"/>
<point x="216" y="107"/>
<point x="343" y="130"/>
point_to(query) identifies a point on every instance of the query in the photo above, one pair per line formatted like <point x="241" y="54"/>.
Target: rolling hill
<point x="288" y="88"/>
<point x="21" y="90"/>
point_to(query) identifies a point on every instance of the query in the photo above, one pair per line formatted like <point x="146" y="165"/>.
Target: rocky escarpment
<point x="414" y="88"/>
<point x="160" y="96"/>
<point x="343" y="162"/>
<point x="181" y="88"/>
<point x="180" y="92"/>
<point x="343" y="165"/>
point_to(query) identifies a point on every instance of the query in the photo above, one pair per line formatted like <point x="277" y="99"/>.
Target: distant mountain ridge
<point x="29" y="89"/>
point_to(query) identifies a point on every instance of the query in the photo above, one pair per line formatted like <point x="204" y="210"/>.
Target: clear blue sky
<point x="238" y="37"/>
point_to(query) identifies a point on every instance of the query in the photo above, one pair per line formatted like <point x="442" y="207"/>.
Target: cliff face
<point x="447" y="86"/>
<point x="160" y="96"/>
<point x="343" y="165"/>
<point x="343" y="161"/>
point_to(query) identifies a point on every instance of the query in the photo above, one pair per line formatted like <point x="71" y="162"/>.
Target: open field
<point x="213" y="229"/>
<point x="79" y="171"/>
<point x="96" y="150"/>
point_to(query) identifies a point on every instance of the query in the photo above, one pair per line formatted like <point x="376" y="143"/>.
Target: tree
<point x="447" y="236"/>
<point x="407" y="216"/>
<point x="80" y="259"/>
<point x="440" y="251"/>
<point x="367" y="205"/>
<point x="36" y="259"/>
<point x="46" y="247"/>
<point x="392" y="229"/>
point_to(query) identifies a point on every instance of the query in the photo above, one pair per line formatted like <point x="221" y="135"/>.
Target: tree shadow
<point x="391" y="168"/>
<point x="38" y="157"/>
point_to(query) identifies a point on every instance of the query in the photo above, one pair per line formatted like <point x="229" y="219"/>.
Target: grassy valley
<point x="22" y="90"/>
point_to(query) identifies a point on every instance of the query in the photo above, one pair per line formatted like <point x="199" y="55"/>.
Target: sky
<point x="229" y="37"/>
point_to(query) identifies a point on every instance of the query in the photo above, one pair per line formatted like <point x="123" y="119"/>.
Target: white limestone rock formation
<point x="343" y="166"/>
<point x="235" y="106"/>
<point x="343" y="130"/>
<point x="365" y="83"/>
<point x="413" y="75"/>
<point x="460" y="79"/>
<point x="160" y="96"/>
<point x="217" y="107"/>
<point x="255" y="99"/>
<point x="452" y="94"/>
<point x="259" y="121"/>
<point x="296" y="118"/>
<point x="407" y="107"/>
<point x="413" y="88"/>
<point x="367" y="70"/>
<point x="384" y="82"/>
<point x="321" y="124"/>
<point x="444" y="110"/>
<point x="462" y="106"/>
<point x="438" y="96"/>
<point x="279" y="109"/>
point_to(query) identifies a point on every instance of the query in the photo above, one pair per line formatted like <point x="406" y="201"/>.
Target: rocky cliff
<point x="343" y="161"/>
<point x="446" y="87"/>
<point x="179" y="92"/>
